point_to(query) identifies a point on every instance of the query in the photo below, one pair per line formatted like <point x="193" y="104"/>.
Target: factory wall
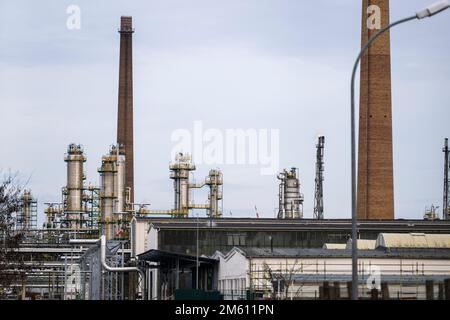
<point x="184" y="241"/>
<point x="233" y="272"/>
<point x="181" y="236"/>
<point x="302" y="274"/>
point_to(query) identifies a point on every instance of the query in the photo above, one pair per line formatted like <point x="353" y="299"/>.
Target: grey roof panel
<point x="324" y="253"/>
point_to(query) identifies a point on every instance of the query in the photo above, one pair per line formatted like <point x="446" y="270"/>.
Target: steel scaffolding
<point x="318" y="194"/>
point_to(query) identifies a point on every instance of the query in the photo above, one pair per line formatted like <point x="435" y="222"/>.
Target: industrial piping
<point x="119" y="269"/>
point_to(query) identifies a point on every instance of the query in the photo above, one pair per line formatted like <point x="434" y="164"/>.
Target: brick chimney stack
<point x="375" y="199"/>
<point x="125" y="105"/>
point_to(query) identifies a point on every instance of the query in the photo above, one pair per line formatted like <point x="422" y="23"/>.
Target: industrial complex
<point x="99" y="242"/>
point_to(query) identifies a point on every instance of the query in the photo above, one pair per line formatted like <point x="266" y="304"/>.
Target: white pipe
<point x="118" y="269"/>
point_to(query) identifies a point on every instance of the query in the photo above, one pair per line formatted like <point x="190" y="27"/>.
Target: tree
<point x="11" y="266"/>
<point x="281" y="280"/>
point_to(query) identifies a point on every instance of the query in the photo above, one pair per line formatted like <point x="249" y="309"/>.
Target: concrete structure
<point x="375" y="163"/>
<point x="125" y="108"/>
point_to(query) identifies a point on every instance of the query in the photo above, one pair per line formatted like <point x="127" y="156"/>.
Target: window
<point x="230" y="240"/>
<point x="242" y="240"/>
<point x="236" y="239"/>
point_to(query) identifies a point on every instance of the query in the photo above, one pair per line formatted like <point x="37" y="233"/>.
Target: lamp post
<point x="427" y="12"/>
<point x="196" y="258"/>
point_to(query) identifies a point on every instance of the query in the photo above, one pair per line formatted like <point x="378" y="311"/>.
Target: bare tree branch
<point x="11" y="265"/>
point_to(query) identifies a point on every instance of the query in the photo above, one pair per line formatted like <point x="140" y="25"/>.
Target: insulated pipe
<point x="119" y="269"/>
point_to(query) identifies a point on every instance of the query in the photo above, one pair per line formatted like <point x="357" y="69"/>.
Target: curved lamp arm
<point x="427" y="12"/>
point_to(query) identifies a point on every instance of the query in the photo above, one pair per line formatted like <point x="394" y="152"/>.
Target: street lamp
<point x="427" y="12"/>
<point x="196" y="258"/>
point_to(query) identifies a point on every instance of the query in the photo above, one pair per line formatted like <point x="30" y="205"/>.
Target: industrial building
<point x="289" y="273"/>
<point x="180" y="235"/>
<point x="98" y="242"/>
<point x="301" y="238"/>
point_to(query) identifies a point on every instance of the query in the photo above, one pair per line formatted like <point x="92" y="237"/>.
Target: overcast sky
<point x="262" y="64"/>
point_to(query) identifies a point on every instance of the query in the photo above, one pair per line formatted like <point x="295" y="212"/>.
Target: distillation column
<point x="215" y="183"/>
<point x="112" y="192"/>
<point x="290" y="198"/>
<point x="53" y="212"/>
<point x="27" y="219"/>
<point x="74" y="189"/>
<point x="180" y="171"/>
<point x="318" y="194"/>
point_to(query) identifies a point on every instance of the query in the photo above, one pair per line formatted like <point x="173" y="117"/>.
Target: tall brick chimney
<point x="375" y="200"/>
<point x="125" y="107"/>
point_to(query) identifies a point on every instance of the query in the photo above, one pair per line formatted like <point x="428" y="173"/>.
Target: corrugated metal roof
<point x="362" y="278"/>
<point x="297" y="224"/>
<point x="323" y="253"/>
<point x="413" y="240"/>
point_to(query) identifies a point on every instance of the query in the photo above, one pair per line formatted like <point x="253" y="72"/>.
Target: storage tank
<point x="290" y="198"/>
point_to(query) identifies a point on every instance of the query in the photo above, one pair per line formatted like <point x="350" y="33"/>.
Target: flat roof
<point x="161" y="256"/>
<point x="440" y="226"/>
<point x="254" y="252"/>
